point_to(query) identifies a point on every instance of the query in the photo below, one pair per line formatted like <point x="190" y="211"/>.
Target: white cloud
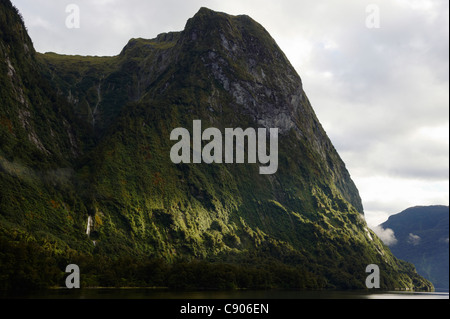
<point x="386" y="235"/>
<point x="414" y="239"/>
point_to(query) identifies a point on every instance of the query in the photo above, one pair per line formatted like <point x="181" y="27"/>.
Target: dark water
<point x="155" y="294"/>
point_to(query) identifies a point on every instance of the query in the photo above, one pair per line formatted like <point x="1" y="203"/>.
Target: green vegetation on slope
<point x="88" y="137"/>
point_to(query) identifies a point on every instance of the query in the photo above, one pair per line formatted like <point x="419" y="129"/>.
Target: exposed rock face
<point x="109" y="120"/>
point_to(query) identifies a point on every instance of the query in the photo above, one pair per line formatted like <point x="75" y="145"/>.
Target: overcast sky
<point x="378" y="83"/>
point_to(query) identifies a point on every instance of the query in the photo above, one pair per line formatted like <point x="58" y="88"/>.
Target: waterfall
<point x="90" y="224"/>
<point x="99" y="100"/>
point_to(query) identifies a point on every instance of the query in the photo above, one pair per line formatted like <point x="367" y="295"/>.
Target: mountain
<point x="422" y="239"/>
<point x="87" y="175"/>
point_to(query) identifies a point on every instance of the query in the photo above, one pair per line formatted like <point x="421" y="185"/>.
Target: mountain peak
<point x="207" y="20"/>
<point x="205" y="11"/>
<point x="210" y="22"/>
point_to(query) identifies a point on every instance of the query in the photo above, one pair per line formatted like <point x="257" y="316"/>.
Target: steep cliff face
<point x="114" y="144"/>
<point x="35" y="121"/>
<point x="250" y="68"/>
<point x="40" y="138"/>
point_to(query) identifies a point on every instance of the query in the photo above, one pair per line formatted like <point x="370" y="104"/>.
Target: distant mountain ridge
<point x="422" y="238"/>
<point x="86" y="175"/>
